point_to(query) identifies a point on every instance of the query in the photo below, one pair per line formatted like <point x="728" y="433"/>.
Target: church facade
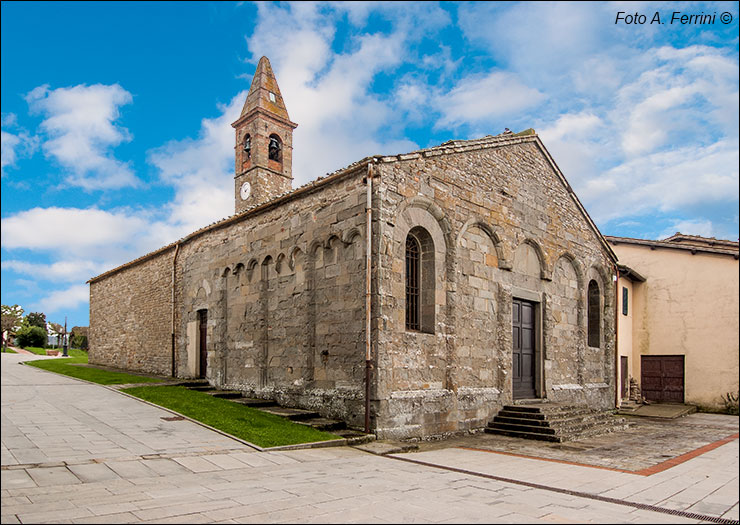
<point x="417" y="293"/>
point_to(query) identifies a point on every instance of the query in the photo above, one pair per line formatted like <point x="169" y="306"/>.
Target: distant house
<point x="677" y="302"/>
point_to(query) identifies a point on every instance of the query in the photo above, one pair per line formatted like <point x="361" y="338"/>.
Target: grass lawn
<point x="38" y="351"/>
<point x="9" y="351"/>
<point x="67" y="366"/>
<point x="249" y="424"/>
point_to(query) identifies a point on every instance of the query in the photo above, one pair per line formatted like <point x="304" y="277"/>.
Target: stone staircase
<point x="553" y="422"/>
<point x="628" y="407"/>
<point x="297" y="415"/>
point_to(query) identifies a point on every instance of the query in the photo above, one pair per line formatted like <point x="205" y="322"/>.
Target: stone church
<point x="417" y="292"/>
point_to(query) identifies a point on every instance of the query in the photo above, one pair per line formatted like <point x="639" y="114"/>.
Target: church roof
<point x="679" y="241"/>
<point x="698" y="240"/>
<point x="264" y="93"/>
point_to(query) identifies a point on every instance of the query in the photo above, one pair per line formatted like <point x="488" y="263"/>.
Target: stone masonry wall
<point x="131" y="317"/>
<point x="284" y="294"/>
<point x="504" y="227"/>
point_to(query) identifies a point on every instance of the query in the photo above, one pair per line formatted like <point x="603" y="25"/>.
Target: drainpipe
<point x="368" y="266"/>
<point x="174" y="265"/>
<point x="617" y="385"/>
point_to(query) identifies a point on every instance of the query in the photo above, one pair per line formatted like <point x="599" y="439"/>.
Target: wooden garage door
<point x="663" y="378"/>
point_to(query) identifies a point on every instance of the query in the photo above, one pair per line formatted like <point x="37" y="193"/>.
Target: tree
<point x="78" y="337"/>
<point x="31" y="336"/>
<point x="12" y="317"/>
<point x="36" y="319"/>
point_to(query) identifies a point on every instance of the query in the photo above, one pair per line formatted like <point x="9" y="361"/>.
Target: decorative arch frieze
<point x="314" y="247"/>
<point x="296" y="258"/>
<point x="331" y="241"/>
<point x="280" y="263"/>
<point x="545" y="266"/>
<point x="423" y="203"/>
<point x="503" y="252"/>
<point x="577" y="267"/>
<point x="350" y="235"/>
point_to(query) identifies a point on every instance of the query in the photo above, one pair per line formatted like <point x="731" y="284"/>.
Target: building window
<point x="275" y="151"/>
<point x="594" y="315"/>
<point x="625" y="301"/>
<point x="420" y="281"/>
<point x="413" y="290"/>
<point x="247" y="146"/>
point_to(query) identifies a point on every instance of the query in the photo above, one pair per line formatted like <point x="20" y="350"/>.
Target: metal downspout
<point x="617" y="384"/>
<point x="174" y="265"/>
<point x="368" y="291"/>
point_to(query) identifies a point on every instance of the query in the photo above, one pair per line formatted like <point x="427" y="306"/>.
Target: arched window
<point x="275" y="149"/>
<point x="413" y="283"/>
<point x="420" y="281"/>
<point x="594" y="314"/>
<point x="247" y="146"/>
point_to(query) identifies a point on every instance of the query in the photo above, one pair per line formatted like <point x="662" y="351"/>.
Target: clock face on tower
<point x="245" y="191"/>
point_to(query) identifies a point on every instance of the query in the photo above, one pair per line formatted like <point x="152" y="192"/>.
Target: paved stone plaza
<point x="73" y="452"/>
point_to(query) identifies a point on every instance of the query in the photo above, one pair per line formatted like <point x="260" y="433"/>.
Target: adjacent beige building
<point x="678" y="318"/>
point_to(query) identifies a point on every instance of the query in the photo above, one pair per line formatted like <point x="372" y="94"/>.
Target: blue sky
<point x="116" y="135"/>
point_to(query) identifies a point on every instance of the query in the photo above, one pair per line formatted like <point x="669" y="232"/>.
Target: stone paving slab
<point x="71" y="412"/>
<point x="204" y="481"/>
<point x="647" y="443"/>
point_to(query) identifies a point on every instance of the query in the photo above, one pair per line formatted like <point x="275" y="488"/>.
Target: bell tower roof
<point x="264" y="143"/>
<point x="264" y="94"/>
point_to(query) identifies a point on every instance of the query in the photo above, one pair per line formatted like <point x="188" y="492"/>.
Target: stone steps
<point x="297" y="415"/>
<point x="255" y="402"/>
<point x="553" y="422"/>
<point x="225" y="394"/>
<point x="294" y="414"/>
<point x="323" y="423"/>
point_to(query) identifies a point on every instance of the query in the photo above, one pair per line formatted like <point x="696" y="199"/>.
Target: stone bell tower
<point x="264" y="143"/>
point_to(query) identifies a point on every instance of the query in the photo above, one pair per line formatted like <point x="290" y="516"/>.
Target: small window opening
<point x="594" y="315"/>
<point x="248" y="146"/>
<point x="275" y="149"/>
<point x="625" y="301"/>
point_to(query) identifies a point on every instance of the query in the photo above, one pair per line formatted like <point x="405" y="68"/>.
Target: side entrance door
<point x="203" y="340"/>
<point x="662" y="378"/>
<point x="623" y="377"/>
<point x="522" y="314"/>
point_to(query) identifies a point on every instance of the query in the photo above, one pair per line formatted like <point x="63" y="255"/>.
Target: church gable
<point x="511" y="243"/>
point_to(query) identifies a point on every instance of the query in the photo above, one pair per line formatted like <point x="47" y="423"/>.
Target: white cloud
<point x="15" y="145"/>
<point x="59" y="300"/>
<point x="60" y="228"/>
<point x="70" y="270"/>
<point x="689" y="227"/>
<point x="690" y="92"/>
<point x="201" y="171"/>
<point x="81" y="131"/>
<point x="330" y="95"/>
<point x="478" y="99"/>
<point x="8" y="145"/>
<point x="665" y="181"/>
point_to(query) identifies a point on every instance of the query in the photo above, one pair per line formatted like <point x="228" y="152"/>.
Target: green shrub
<point x="31" y="336"/>
<point x="78" y="341"/>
